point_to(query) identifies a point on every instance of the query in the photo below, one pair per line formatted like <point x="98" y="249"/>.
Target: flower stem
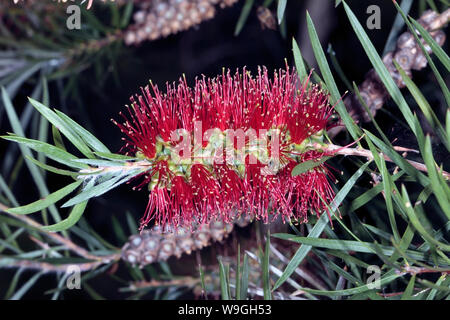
<point x="346" y="151"/>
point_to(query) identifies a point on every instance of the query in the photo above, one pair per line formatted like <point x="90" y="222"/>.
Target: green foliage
<point x="400" y="223"/>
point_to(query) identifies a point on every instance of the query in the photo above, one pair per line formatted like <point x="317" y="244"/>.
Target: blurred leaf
<point x="265" y="269"/>
<point x="27" y="286"/>
<point x="223" y="281"/>
<point x="127" y="14"/>
<point x="13" y="284"/>
<point x="245" y="274"/>
<point x="397" y="27"/>
<point x="281" y="8"/>
<point x="243" y="16"/>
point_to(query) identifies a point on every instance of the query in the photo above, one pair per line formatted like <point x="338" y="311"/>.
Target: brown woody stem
<point x="67" y="243"/>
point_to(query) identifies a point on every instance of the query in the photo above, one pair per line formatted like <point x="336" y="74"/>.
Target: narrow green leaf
<point x="57" y="138"/>
<point x="97" y="190"/>
<point x="381" y="69"/>
<point x="58" y="171"/>
<point x="338" y="68"/>
<point x="238" y="274"/>
<point x="47" y="201"/>
<point x="417" y="224"/>
<point x="388" y="188"/>
<point x="43" y="124"/>
<point x="114" y="156"/>
<point x="118" y="230"/>
<point x="202" y="279"/>
<point x="281" y="8"/>
<point x="407" y="295"/>
<point x="27" y="286"/>
<point x="436" y="48"/>
<point x="62" y="126"/>
<point x="437" y="184"/>
<point x="316" y="231"/>
<point x="398" y="159"/>
<point x="308" y="165"/>
<point x="126" y="15"/>
<point x="36" y="174"/>
<point x="433" y="291"/>
<point x="13" y="284"/>
<point x="350" y="125"/>
<point x="397" y="27"/>
<point x="299" y="63"/>
<point x="223" y="281"/>
<point x="384" y="280"/>
<point x="243" y="16"/>
<point x="245" y="274"/>
<point x="441" y="81"/>
<point x="7" y="191"/>
<point x="70" y="221"/>
<point x="350" y="245"/>
<point x="367" y="196"/>
<point x="424" y="106"/>
<point x="87" y="137"/>
<point x="265" y="269"/>
<point x="50" y="151"/>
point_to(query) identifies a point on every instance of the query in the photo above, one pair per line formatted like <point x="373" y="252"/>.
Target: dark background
<point x="204" y="49"/>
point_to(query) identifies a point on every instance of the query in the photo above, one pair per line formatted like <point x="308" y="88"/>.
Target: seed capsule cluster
<point x="408" y="55"/>
<point x="160" y="18"/>
<point x="156" y="244"/>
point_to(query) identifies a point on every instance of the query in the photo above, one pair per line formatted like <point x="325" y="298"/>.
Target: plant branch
<point x="97" y="260"/>
<point x="346" y="151"/>
<point x="48" y="267"/>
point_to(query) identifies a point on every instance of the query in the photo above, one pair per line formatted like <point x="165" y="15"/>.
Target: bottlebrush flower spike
<point x="227" y="146"/>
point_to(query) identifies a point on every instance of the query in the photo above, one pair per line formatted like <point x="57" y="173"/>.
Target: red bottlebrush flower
<point x="228" y="145"/>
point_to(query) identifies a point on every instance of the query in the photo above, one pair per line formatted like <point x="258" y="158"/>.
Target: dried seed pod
<point x="266" y="18"/>
<point x="420" y="61"/>
<point x="160" y="18"/>
<point x="130" y="256"/>
<point x="158" y="244"/>
<point x="406" y="40"/>
<point x="439" y="36"/>
<point x="404" y="58"/>
<point x="167" y="248"/>
<point x="408" y="55"/>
